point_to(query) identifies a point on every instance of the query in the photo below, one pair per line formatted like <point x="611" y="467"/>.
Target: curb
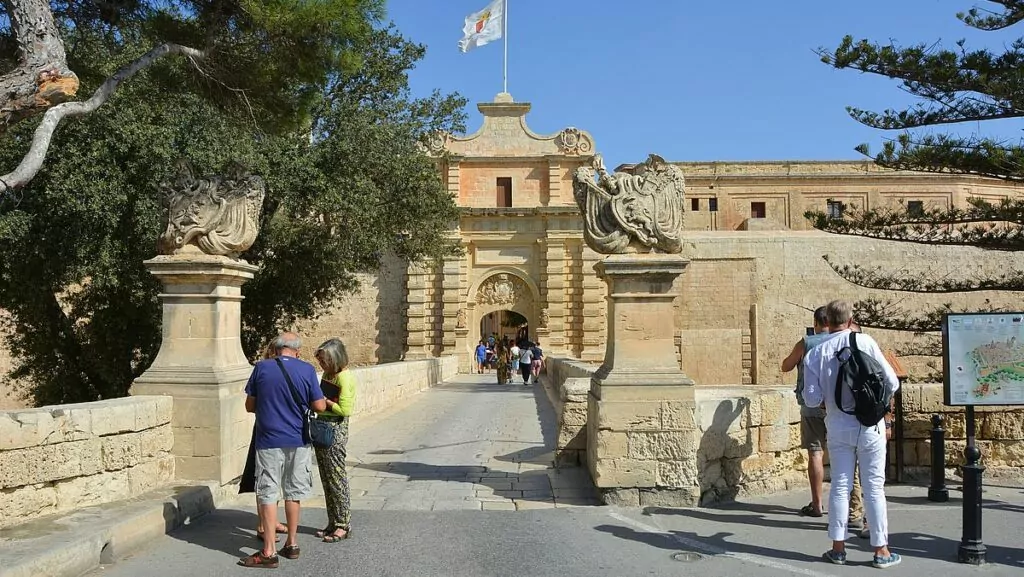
<point x="72" y="544"/>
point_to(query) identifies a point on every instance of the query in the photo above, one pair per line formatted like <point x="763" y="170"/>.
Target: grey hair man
<point x="283" y="457"/>
<point x="848" y="440"/>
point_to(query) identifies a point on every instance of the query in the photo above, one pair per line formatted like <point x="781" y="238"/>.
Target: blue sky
<point x="684" y="79"/>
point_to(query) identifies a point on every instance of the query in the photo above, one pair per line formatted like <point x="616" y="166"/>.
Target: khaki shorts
<point x="284" y="470"/>
<point x="812" y="434"/>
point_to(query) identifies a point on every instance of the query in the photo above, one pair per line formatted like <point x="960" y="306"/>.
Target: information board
<point x="983" y="359"/>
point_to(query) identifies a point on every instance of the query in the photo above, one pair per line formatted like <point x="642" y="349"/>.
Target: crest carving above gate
<point x="502" y="289"/>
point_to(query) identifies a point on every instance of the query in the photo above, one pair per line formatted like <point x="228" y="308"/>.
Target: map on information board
<point x="983" y="358"/>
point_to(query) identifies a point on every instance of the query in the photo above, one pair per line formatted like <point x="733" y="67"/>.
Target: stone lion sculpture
<point x="217" y="215"/>
<point x="630" y="212"/>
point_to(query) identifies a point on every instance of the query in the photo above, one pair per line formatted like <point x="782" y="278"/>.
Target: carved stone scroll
<point x="217" y="215"/>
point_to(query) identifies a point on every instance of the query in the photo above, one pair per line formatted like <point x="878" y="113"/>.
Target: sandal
<point x="258" y="559"/>
<point x="334" y="537"/>
<point x="809" y="511"/>
<point x="325" y="531"/>
<point x="289" y="552"/>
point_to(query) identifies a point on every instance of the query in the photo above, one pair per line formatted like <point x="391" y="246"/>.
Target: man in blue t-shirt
<point x="283" y="458"/>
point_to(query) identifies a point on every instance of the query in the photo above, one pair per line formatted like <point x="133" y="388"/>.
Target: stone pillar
<point x="451" y="302"/>
<point x="555" y="343"/>
<point x="593" y="310"/>
<point x="201" y="363"/>
<point x="417" y="319"/>
<point x="642" y="432"/>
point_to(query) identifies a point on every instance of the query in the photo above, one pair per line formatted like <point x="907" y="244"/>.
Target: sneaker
<point x="864" y="533"/>
<point x="835" y="558"/>
<point x="855" y="525"/>
<point x="885" y="562"/>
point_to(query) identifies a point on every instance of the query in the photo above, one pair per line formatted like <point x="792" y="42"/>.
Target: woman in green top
<point x="339" y="386"/>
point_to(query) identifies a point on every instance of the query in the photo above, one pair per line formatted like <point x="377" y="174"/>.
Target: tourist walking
<point x="849" y="441"/>
<point x="481" y="355"/>
<point x="537" y="361"/>
<point x="513" y="354"/>
<point x="247" y="484"/>
<point x="526" y="363"/>
<point x="283" y="457"/>
<point x="339" y="387"/>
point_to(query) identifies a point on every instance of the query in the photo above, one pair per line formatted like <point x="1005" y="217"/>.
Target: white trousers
<point x="846" y="448"/>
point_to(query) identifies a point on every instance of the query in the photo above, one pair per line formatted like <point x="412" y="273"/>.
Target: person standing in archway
<point x="481" y="357"/>
<point x="501" y="362"/>
<point x="513" y="354"/>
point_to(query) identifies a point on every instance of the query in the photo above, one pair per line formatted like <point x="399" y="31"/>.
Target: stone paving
<point x="469" y="444"/>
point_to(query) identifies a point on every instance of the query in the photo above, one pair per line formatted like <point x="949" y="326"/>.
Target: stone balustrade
<point x="59" y="458"/>
<point x="380" y="386"/>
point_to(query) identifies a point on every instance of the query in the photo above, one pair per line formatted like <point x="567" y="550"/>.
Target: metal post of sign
<point x="972" y="549"/>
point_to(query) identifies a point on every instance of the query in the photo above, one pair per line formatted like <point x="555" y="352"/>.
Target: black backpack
<point x="865" y="378"/>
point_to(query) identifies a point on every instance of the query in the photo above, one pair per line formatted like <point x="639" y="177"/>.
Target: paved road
<point x="474" y="445"/>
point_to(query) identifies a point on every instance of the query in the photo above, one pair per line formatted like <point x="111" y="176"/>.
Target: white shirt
<point x="821" y="371"/>
<point x="515" y="352"/>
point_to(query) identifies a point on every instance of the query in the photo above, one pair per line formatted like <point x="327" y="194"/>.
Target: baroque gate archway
<point x="498" y="290"/>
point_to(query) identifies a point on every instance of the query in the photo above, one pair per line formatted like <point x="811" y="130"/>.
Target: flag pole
<point x="504" y="36"/>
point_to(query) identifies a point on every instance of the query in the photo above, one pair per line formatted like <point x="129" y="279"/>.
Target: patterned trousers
<point x="331" y="462"/>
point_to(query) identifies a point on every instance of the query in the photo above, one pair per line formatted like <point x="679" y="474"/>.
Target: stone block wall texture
<point x="380" y="386"/>
<point x="999" y="434"/>
<point x="570" y="380"/>
<point x="370" y="322"/>
<point x="59" y="458"/>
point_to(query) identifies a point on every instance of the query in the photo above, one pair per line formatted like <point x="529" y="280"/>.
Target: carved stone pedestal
<point x="201" y="363"/>
<point x="642" y="436"/>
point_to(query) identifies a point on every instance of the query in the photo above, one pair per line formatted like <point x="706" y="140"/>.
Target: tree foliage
<point x="952" y="85"/>
<point x="345" y="187"/>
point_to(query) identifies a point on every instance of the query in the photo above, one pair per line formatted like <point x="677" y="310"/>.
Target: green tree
<point x="267" y="59"/>
<point x="952" y="85"/>
<point x="345" y="187"/>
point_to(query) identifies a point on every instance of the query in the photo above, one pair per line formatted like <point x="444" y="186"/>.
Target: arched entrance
<point x="504" y="324"/>
<point x="502" y="296"/>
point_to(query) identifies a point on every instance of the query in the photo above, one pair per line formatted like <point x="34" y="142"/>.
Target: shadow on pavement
<point x="229" y="531"/>
<point x="676" y="540"/>
<point x="756" y="516"/>
<point x="931" y="547"/>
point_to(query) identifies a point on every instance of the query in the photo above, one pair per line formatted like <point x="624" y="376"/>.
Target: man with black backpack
<point x="849" y="376"/>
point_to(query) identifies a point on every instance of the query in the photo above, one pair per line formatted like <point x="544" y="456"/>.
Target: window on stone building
<point x="915" y="208"/>
<point x="757" y="210"/>
<point x="504" y="191"/>
<point x="694" y="204"/>
<point x="835" y="208"/>
<point x="713" y="204"/>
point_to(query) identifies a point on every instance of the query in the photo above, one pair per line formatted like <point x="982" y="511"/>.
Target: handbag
<point x="319" y="433"/>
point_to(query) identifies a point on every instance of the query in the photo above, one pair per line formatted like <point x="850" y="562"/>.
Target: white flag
<point x="483" y="26"/>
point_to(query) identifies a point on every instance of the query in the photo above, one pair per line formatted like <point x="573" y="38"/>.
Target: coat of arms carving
<point x="502" y="289"/>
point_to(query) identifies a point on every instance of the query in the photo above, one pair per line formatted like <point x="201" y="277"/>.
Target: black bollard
<point x="938" y="491"/>
<point x="972" y="550"/>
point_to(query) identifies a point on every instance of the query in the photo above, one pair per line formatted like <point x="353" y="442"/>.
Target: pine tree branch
<point x="982" y="225"/>
<point x="892" y="315"/>
<point x="989" y="20"/>
<point x="32" y="162"/>
<point x="924" y="283"/>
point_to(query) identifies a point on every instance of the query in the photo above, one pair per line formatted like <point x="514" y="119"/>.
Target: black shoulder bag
<point x="315" y="431"/>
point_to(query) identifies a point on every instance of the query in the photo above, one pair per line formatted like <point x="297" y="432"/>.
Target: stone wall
<point x="999" y="434"/>
<point x="568" y="383"/>
<point x="749" y="442"/>
<point x="370" y="322"/>
<point x="744" y="297"/>
<point x="55" y="459"/>
<point x="381" y="386"/>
